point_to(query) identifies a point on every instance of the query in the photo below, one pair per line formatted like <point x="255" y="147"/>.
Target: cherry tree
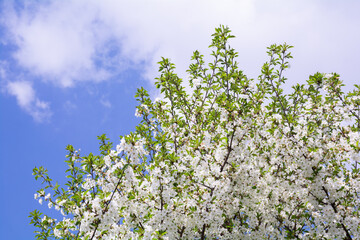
<point x="227" y="157"/>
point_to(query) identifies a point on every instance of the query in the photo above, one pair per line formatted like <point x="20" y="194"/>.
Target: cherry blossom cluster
<point x="232" y="158"/>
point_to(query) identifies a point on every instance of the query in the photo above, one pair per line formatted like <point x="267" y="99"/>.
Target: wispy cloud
<point x="27" y="100"/>
<point x="70" y="41"/>
<point x="67" y="42"/>
<point x="58" y="42"/>
<point x="69" y="106"/>
<point x="106" y="103"/>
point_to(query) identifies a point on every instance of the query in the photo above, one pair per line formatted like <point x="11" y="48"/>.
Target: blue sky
<point x="69" y="70"/>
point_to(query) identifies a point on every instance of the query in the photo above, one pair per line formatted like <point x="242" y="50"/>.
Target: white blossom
<point x="196" y="82"/>
<point x="210" y="165"/>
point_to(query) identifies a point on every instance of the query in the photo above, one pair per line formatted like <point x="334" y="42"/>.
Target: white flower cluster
<point x="227" y="162"/>
<point x="196" y="82"/>
<point x="260" y="180"/>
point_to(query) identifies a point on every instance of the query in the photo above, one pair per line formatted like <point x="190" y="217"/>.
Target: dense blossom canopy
<point x="226" y="158"/>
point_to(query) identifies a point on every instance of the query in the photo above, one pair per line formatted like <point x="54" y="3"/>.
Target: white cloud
<point x="23" y="92"/>
<point x="65" y="42"/>
<point x="27" y="100"/>
<point x="57" y="41"/>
